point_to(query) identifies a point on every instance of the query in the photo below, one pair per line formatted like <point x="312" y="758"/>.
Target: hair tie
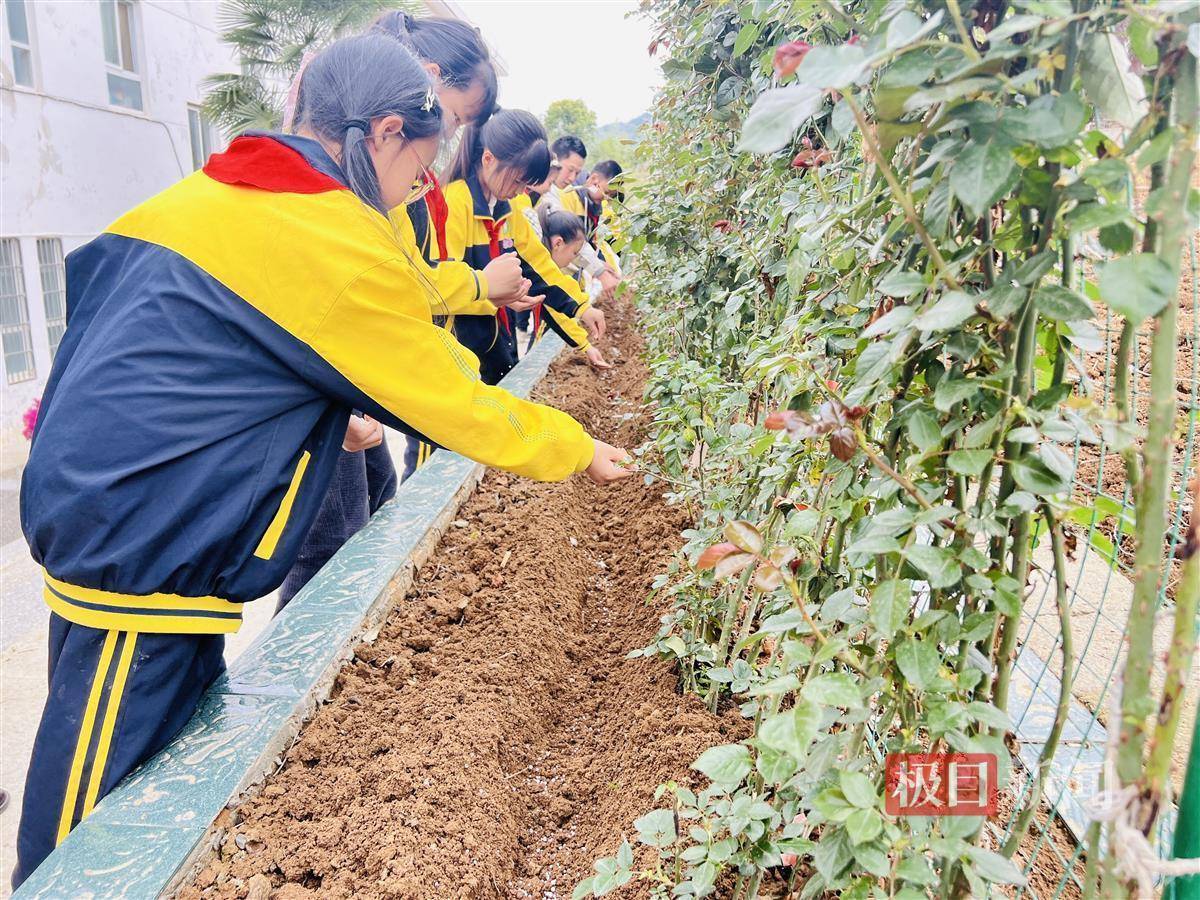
<point x="361" y="124"/>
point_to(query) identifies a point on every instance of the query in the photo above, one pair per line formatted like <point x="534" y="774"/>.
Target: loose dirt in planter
<point x="494" y="740"/>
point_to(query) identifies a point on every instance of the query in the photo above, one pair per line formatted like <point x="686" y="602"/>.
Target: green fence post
<point x="1187" y="826"/>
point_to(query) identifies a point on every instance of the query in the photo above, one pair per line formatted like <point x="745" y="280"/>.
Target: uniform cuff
<point x="481" y="283"/>
<point x="587" y="451"/>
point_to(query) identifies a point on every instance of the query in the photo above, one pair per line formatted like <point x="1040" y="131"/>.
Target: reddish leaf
<point x="843" y="443"/>
<point x="714" y="555"/>
<point x="744" y="536"/>
<point x="788" y="57"/>
<point x="732" y="565"/>
<point x="722" y="225"/>
<point x="767" y="577"/>
<point x="811" y="159"/>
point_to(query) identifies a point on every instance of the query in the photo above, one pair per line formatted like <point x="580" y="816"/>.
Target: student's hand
<point x="362" y="434"/>
<point x="596" y="359"/>
<point x="609" y="463"/>
<point x="503" y="276"/>
<point x="524" y="303"/>
<point x="608" y="285"/>
<point x="593" y="320"/>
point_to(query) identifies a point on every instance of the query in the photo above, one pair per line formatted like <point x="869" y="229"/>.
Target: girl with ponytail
<point x="457" y="62"/>
<point x="495" y="162"/>
<point x="220" y="335"/>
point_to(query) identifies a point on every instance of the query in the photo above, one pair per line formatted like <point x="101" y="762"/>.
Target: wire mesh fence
<point x="1100" y="602"/>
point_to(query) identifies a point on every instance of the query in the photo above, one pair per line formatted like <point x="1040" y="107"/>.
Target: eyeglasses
<point x="424" y="186"/>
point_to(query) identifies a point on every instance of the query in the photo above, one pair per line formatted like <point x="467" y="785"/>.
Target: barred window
<point x="15" y="340"/>
<point x="54" y="289"/>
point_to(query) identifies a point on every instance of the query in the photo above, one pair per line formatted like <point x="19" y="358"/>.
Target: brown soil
<point x="494" y="739"/>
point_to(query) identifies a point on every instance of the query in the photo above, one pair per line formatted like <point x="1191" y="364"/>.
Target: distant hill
<point x="622" y="130"/>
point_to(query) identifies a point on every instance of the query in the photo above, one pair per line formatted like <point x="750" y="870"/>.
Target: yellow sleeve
<point x="462" y="290"/>
<point x="394" y="363"/>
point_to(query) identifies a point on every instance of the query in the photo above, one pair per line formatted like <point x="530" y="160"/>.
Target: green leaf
<point x="902" y="284"/>
<point x="656" y="828"/>
<point x="791" y="731"/>
<point x="837" y="66"/>
<point x="1090" y="216"/>
<point x="924" y="431"/>
<point x="983" y="173"/>
<point x="858" y="790"/>
<point x="954" y="390"/>
<point x="833" y="689"/>
<point x="1109" y="79"/>
<point x="943" y="93"/>
<point x="890" y="604"/>
<point x="863" y="825"/>
<point x="1032" y="474"/>
<point x="993" y="867"/>
<point x="968" y="462"/>
<point x="1137" y="286"/>
<point x="890" y="322"/>
<point x="725" y="765"/>
<point x="937" y="564"/>
<point x="745" y="38"/>
<point x="1048" y="122"/>
<point x="919" y="662"/>
<point x="950" y="311"/>
<point x="776" y="115"/>
<point x="1063" y="304"/>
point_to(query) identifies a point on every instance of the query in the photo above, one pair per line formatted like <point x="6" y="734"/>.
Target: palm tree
<point x="271" y="38"/>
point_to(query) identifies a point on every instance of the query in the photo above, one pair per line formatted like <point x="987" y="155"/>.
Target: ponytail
<point x="558" y="223"/>
<point x="516" y="138"/>
<point x="358" y="79"/>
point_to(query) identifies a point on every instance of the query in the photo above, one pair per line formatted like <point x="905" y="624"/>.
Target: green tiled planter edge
<point x="145" y="838"/>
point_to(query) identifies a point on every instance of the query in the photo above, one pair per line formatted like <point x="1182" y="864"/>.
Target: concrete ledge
<point x="145" y="838"/>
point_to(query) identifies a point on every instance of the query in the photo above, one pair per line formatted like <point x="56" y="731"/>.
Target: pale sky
<point x="584" y="49"/>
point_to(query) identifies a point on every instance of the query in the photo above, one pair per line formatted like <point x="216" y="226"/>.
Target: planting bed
<point x="494" y="739"/>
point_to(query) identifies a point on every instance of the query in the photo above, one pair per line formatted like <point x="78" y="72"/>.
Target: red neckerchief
<point x="439" y="213"/>
<point x="493" y="229"/>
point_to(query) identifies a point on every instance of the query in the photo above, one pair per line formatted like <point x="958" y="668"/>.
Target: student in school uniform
<point x="570" y="154"/>
<point x="458" y="62"/>
<point x="219" y="336"/>
<point x="495" y="163"/>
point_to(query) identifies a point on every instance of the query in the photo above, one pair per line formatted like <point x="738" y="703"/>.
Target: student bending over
<point x="219" y="336"/>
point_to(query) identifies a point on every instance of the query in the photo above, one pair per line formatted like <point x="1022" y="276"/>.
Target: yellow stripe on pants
<point x="115" y="696"/>
<point x="86" y="726"/>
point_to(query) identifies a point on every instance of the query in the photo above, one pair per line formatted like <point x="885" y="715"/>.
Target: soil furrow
<point x="495" y="738"/>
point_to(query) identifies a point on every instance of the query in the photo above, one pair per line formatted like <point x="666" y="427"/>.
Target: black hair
<point x="566" y="145"/>
<point x="559" y="223"/>
<point x="516" y="138"/>
<point x="358" y="79"/>
<point x="458" y="50"/>
<point x="607" y="168"/>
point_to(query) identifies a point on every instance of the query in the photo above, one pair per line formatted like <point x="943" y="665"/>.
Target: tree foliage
<point x="570" y="117"/>
<point x="270" y="39"/>
<point x="868" y="335"/>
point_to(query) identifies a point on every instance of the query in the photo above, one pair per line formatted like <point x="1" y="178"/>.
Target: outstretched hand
<point x="593" y="320"/>
<point x="596" y="359"/>
<point x="609" y="463"/>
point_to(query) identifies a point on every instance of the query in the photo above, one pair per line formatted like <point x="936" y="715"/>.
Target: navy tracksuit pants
<point x="362" y="482"/>
<point x="115" y="699"/>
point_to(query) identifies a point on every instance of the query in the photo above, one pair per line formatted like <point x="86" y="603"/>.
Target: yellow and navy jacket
<point x="421" y="228"/>
<point x="457" y="288"/>
<point x="218" y="337"/>
<point x="468" y="239"/>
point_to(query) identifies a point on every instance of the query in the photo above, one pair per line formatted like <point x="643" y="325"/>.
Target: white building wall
<point x="70" y="163"/>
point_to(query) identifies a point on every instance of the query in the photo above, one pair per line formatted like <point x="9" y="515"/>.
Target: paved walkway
<point x="23" y="624"/>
